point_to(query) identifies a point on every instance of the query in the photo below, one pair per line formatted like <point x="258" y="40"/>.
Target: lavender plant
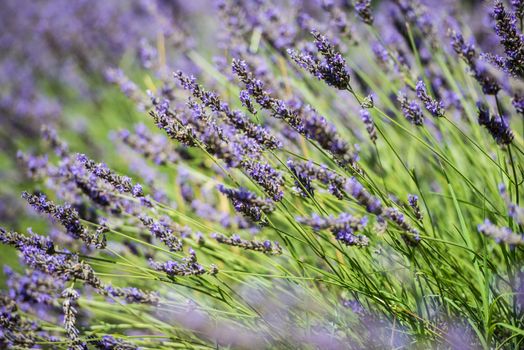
<point x="299" y="183"/>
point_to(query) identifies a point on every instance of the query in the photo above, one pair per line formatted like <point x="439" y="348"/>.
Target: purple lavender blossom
<point x="246" y="101"/>
<point x="515" y="211"/>
<point x="69" y="307"/>
<point x="413" y="203"/>
<point x="344" y="227"/>
<point x="518" y="8"/>
<point x="189" y="266"/>
<point x="363" y="197"/>
<point x="411" y="110"/>
<point x="500" y="234"/>
<point x="109" y="342"/>
<point x="511" y="39"/>
<point x="436" y="108"/>
<point x="266" y="247"/>
<point x="409" y="234"/>
<point x="163" y="232"/>
<point x="18" y="330"/>
<point x="236" y="118"/>
<point x="363" y="10"/>
<point x="304" y="120"/>
<point x="248" y="203"/>
<point x="149" y="145"/>
<point x="121" y="183"/>
<point x="33" y="288"/>
<point x="518" y="103"/>
<point x="266" y="176"/>
<point x="306" y="171"/>
<point x="467" y="52"/>
<point x="67" y="216"/>
<point x="370" y="125"/>
<point x="131" y="295"/>
<point x="496" y="125"/>
<point x="332" y="68"/>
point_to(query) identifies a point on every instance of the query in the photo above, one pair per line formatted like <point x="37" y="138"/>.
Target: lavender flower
<point x="237" y="152"/>
<point x="332" y="68"/>
<point x="67" y="216"/>
<point x="515" y="211"/>
<point x="370" y="125"/>
<point x="411" y="110"/>
<point x="266" y="247"/>
<point x="306" y="171"/>
<point x="305" y="120"/>
<point x="316" y="127"/>
<point x="248" y="203"/>
<point x="266" y="176"/>
<point x="518" y="7"/>
<point x="109" y="342"/>
<point x="511" y="39"/>
<point x="500" y="234"/>
<point x="363" y="10"/>
<point x="131" y="295"/>
<point x="433" y="106"/>
<point x="32" y="287"/>
<point x="337" y="20"/>
<point x="18" y="330"/>
<point x="344" y="227"/>
<point x="20" y="241"/>
<point x="150" y="146"/>
<point x="246" y="101"/>
<point x="121" y="183"/>
<point x="163" y="232"/>
<point x="410" y="234"/>
<point x="189" y="266"/>
<point x="496" y="125"/>
<point x="518" y="103"/>
<point x="236" y="118"/>
<point x="363" y="197"/>
<point x="70" y="296"/>
<point x="467" y="52"/>
<point x="39" y="253"/>
<point x="130" y="89"/>
<point x="49" y="134"/>
<point x="413" y="203"/>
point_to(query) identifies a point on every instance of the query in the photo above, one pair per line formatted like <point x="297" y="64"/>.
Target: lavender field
<point x="261" y="174"/>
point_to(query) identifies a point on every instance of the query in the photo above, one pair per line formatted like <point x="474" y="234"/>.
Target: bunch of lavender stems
<point x="332" y="176"/>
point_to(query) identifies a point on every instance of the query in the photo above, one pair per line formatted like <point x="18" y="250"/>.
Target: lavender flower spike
<point x="363" y="197"/>
<point x="189" y="266"/>
<point x="121" y="183"/>
<point x="410" y="234"/>
<point x="496" y="125"/>
<point x="518" y="104"/>
<point x="500" y="234"/>
<point x="332" y="68"/>
<point x="436" y="108"/>
<point x="266" y="247"/>
<point x="467" y="52"/>
<point x="67" y="216"/>
<point x="248" y="203"/>
<point x="511" y="39"/>
<point x="163" y="232"/>
<point x="370" y="125"/>
<point x="411" y="110"/>
<point x="363" y="10"/>
<point x="515" y="211"/>
<point x="70" y="312"/>
<point x="306" y="171"/>
<point x="413" y="203"/>
<point x="518" y="7"/>
<point x="343" y="227"/>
